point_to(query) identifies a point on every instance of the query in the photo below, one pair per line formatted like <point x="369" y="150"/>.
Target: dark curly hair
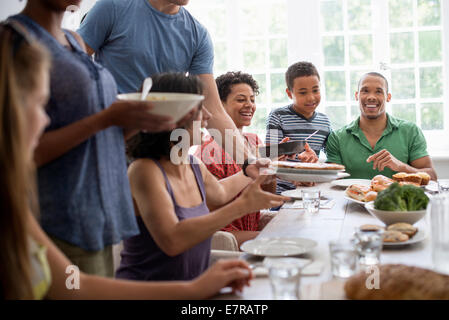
<point x="299" y="69"/>
<point x="227" y="80"/>
<point x="158" y="145"/>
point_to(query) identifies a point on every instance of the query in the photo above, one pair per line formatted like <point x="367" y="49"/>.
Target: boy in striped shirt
<point x="299" y="120"/>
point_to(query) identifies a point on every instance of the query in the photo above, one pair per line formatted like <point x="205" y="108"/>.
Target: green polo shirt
<point x="348" y="146"/>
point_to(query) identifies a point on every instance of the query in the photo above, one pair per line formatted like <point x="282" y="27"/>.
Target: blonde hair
<point x="21" y="62"/>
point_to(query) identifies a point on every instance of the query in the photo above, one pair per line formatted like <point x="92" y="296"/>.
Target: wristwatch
<point x="246" y="163"/>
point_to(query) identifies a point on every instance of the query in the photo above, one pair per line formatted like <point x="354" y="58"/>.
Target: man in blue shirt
<point x="135" y="39"/>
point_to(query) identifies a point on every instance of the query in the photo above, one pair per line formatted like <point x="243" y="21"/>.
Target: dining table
<point x="337" y="222"/>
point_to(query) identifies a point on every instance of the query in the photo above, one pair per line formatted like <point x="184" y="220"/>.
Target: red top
<point x="222" y="165"/>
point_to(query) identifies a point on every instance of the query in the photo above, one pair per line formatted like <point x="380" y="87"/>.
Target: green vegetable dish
<point x="401" y="198"/>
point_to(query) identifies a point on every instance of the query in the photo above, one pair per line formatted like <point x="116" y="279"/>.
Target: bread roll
<point x="380" y="182"/>
<point x="425" y="178"/>
<point x="399" y="176"/>
<point x="403" y="227"/>
<point x="399" y="282"/>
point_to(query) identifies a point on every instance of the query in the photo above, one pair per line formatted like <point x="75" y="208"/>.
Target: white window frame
<point x="438" y="143"/>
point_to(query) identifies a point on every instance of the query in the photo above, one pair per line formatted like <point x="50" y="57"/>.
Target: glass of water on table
<point x="311" y="200"/>
<point x="344" y="258"/>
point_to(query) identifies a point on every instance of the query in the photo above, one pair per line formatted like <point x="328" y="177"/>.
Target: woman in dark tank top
<point x="171" y="191"/>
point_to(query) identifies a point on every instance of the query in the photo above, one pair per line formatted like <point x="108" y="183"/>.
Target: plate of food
<point x="398" y="234"/>
<point x="344" y="183"/>
<point x="398" y="238"/>
<point x="307" y="167"/>
<point x="304" y="177"/>
<point x="360" y="193"/>
<point x="278" y="247"/>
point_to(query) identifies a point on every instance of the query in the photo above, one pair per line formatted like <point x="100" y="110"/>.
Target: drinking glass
<point x="311" y="200"/>
<point x="439" y="217"/>
<point x="285" y="274"/>
<point x="343" y="258"/>
<point x="369" y="246"/>
<point x="443" y="186"/>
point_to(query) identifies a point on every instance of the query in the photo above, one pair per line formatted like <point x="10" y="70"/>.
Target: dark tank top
<point x="142" y="259"/>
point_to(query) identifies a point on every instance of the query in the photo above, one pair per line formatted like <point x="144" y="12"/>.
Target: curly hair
<point x="300" y="69"/>
<point x="158" y="145"/>
<point x="227" y="80"/>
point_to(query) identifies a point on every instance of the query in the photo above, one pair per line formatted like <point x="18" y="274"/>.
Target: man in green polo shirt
<point x="377" y="143"/>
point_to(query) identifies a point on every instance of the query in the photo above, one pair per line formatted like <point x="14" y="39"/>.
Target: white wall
<point x="10" y="7"/>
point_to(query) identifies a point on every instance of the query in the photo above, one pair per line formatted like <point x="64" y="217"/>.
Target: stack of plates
<point x="304" y="175"/>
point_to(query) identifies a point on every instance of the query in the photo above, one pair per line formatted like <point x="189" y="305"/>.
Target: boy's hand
<point x="308" y="155"/>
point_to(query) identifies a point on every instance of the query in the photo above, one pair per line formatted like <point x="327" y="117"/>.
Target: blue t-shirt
<point x="134" y="41"/>
<point x="84" y="194"/>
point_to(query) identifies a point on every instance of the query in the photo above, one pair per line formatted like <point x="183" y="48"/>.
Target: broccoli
<point x="415" y="197"/>
<point x="401" y="198"/>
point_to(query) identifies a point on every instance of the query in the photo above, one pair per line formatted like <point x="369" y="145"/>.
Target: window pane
<point x="254" y="54"/>
<point x="355" y="112"/>
<point x="337" y="116"/>
<point x="401" y="13"/>
<point x="360" y="50"/>
<point x="278" y="53"/>
<point x="335" y="85"/>
<point x="430" y="46"/>
<point x="403" y="84"/>
<point x="359" y="14"/>
<point x="354" y="78"/>
<point x="429" y="13"/>
<point x="334" y="51"/>
<point x="405" y="111"/>
<point x="278" y="88"/>
<point x="252" y="18"/>
<point x="332" y="15"/>
<point x="262" y="83"/>
<point x="259" y="120"/>
<point x="432" y="116"/>
<point x="220" y="54"/>
<point x="217" y="25"/>
<point x="278" y="18"/>
<point x="402" y="48"/>
<point x="431" y="82"/>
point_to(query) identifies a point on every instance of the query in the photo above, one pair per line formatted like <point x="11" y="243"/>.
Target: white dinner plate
<point x="432" y="186"/>
<point x="302" y="177"/>
<point x="347" y="182"/>
<point x="308" y="171"/>
<point x="418" y="237"/>
<point x="278" y="247"/>
<point x="295" y="194"/>
<point x="356" y="201"/>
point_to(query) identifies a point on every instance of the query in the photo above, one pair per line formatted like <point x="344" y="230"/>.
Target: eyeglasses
<point x="19" y="34"/>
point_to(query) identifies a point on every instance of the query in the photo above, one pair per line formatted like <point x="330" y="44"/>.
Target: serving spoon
<point x="147" y="84"/>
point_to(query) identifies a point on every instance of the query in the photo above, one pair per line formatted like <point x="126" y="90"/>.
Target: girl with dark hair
<point x="170" y="199"/>
<point x="31" y="266"/>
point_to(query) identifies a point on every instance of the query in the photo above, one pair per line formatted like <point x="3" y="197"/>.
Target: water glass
<point x="311" y="200"/>
<point x="439" y="218"/>
<point x="285" y="274"/>
<point x="344" y="258"/>
<point x="443" y="186"/>
<point x="369" y="246"/>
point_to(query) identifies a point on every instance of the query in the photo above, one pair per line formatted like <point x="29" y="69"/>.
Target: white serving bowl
<point x="390" y="217"/>
<point x="175" y="105"/>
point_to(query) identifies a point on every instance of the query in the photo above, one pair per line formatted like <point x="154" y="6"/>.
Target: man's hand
<point x="384" y="159"/>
